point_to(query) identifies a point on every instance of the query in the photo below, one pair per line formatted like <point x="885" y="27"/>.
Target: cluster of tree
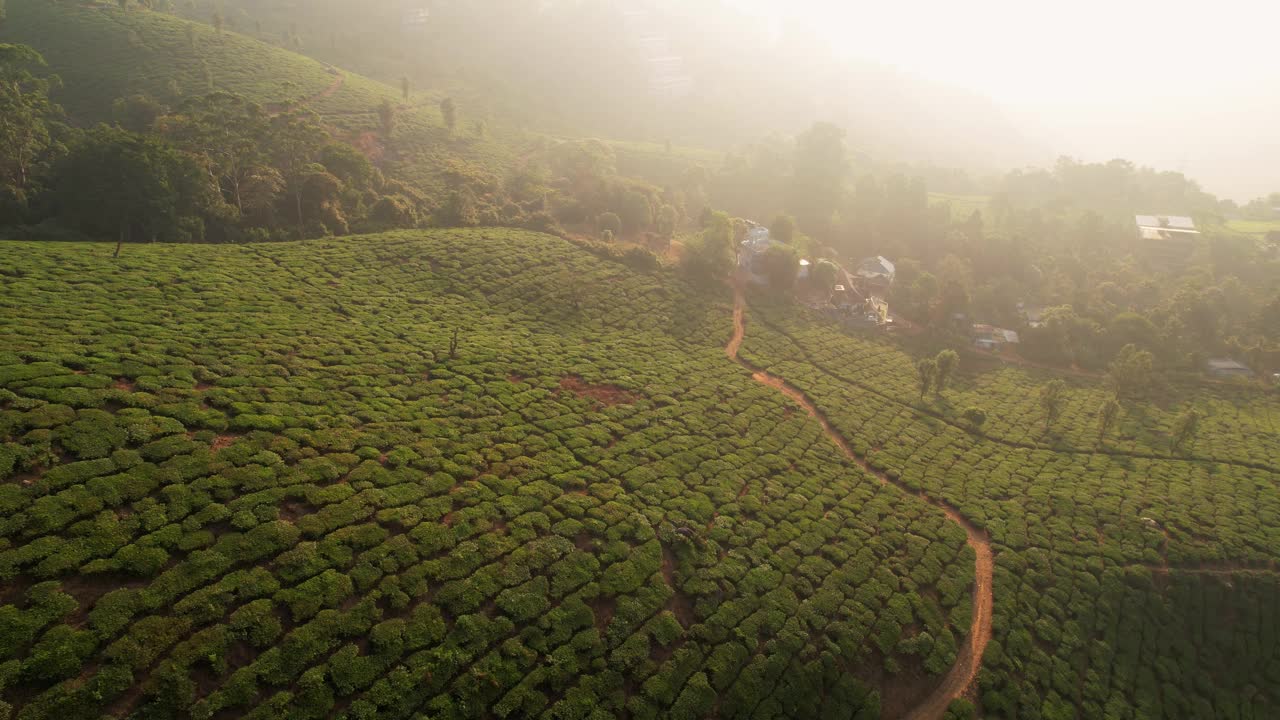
<point x="218" y="168"/>
<point x="586" y="191"/>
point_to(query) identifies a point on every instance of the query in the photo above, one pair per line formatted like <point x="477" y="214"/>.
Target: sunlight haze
<point x="1169" y="84"/>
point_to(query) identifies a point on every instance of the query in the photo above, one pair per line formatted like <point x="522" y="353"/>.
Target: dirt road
<point x="969" y="659"/>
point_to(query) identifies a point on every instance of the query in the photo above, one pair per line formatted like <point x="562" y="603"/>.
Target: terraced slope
<point x="457" y="474"/>
<point x="1127" y="584"/>
<point x="959" y="681"/>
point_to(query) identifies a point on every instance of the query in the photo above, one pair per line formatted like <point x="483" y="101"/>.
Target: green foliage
<point x="946" y="363"/>
<point x="783" y="229"/>
<point x="710" y="256"/>
<point x="1051" y="401"/>
<point x="116" y="184"/>
<point x="1108" y="623"/>
<point x="363" y="519"/>
<point x="1130" y="373"/>
<point x="781" y="265"/>
<point x="609" y="223"/>
<point x="976" y="417"/>
<point x="927" y="375"/>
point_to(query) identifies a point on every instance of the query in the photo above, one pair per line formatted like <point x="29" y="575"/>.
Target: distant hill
<point x="652" y="70"/>
<point x="103" y="53"/>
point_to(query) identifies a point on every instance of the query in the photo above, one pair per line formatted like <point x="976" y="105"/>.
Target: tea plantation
<point x="1130" y="581"/>
<point x="445" y="474"/>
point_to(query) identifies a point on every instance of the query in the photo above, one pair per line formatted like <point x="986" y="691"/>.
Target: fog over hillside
<point x="1174" y="85"/>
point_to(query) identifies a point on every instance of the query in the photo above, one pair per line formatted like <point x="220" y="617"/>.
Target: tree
<point x="635" y="210"/>
<point x="1051" y="399"/>
<point x="783" y="229"/>
<point x="668" y="220"/>
<point x="609" y="223"/>
<point x="1130" y="372"/>
<point x="781" y="265"/>
<point x="449" y="111"/>
<point x="387" y="118"/>
<point x="137" y="113"/>
<point x="217" y="21"/>
<point x="228" y="134"/>
<point x="116" y="182"/>
<point x="824" y="274"/>
<point x="294" y="141"/>
<point x="1108" y="414"/>
<point x="459" y="210"/>
<point x="710" y="257"/>
<point x="25" y="109"/>
<point x="404" y="88"/>
<point x="976" y="417"/>
<point x="927" y="372"/>
<point x="947" y="361"/>
<point x="1184" y="428"/>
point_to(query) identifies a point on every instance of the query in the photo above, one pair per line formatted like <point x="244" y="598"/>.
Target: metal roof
<point x="1166" y="222"/>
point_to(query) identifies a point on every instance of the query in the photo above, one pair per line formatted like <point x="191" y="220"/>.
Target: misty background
<point x="985" y="85"/>
<point x="1184" y="86"/>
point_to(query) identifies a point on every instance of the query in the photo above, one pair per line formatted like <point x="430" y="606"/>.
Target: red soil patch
<point x="607" y="395"/>
<point x="291" y="510"/>
<point x="515" y="379"/>
<point x="682" y="607"/>
<point x="124" y="384"/>
<point x="222" y="442"/>
<point x="88" y="589"/>
<point x="603" y="608"/>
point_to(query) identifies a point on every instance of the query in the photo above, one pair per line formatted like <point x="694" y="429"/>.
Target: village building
<point x="993" y="339"/>
<point x="1166" y="239"/>
<point x="875" y="275"/>
<point x="1228" y="368"/>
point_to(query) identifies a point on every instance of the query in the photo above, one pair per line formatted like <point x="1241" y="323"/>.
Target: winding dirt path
<point x="969" y="659"/>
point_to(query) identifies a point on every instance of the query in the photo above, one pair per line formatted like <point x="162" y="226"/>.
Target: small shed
<point x="1228" y="368"/>
<point x="991" y="338"/>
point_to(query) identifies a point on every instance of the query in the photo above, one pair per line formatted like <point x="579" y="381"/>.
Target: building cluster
<point x="858" y="298"/>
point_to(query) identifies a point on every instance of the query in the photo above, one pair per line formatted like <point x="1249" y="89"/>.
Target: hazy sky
<point x="1192" y="86"/>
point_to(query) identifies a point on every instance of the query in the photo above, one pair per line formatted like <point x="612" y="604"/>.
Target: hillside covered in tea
<point x="487" y="473"/>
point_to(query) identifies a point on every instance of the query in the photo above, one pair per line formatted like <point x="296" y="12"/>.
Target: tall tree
<point x="404" y="87"/>
<point x="1108" y="414"/>
<point x="781" y="265"/>
<point x="711" y="256"/>
<point x="25" y="109"/>
<point x="1130" y="373"/>
<point x="295" y="141"/>
<point x="927" y="374"/>
<point x="228" y="134"/>
<point x="1184" y="428"/>
<point x="947" y="361"/>
<point x="1051" y="400"/>
<point x="114" y="182"/>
